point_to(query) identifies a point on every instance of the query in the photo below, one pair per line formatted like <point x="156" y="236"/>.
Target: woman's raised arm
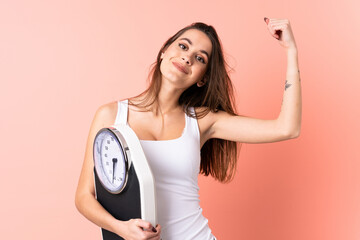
<point x="252" y="130"/>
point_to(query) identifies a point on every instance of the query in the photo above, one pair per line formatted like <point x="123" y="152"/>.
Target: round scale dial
<point x="110" y="159"/>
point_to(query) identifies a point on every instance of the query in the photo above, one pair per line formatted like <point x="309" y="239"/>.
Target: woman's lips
<point x="181" y="68"/>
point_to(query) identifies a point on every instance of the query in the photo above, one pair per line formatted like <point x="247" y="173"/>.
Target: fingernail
<point x="154" y="230"/>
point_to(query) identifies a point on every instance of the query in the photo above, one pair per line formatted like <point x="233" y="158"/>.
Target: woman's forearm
<point x="290" y="114"/>
<point x="93" y="211"/>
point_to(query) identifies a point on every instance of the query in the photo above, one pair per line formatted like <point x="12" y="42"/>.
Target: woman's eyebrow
<point x="203" y="51"/>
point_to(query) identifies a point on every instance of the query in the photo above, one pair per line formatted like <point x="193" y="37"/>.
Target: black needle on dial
<point x="114" y="162"/>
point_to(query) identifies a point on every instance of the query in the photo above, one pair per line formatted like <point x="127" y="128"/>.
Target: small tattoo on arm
<point x="287" y="85"/>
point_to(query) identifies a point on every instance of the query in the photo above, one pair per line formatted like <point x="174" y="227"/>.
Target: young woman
<point x="188" y="107"/>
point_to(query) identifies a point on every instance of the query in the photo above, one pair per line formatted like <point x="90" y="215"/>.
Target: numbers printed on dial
<point x="109" y="160"/>
<point x="113" y="161"/>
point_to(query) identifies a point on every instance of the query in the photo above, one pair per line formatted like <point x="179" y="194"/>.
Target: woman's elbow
<point x="80" y="198"/>
<point x="294" y="134"/>
<point x="78" y="202"/>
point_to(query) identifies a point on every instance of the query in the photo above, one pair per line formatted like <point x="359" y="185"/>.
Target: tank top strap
<point x="193" y="126"/>
<point x="122" y="113"/>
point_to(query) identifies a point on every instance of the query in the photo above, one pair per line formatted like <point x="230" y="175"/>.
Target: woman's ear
<point x="201" y="82"/>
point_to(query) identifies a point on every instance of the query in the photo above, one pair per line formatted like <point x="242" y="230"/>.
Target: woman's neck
<point x="168" y="99"/>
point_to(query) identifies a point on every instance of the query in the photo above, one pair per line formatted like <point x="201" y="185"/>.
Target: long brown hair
<point x="218" y="156"/>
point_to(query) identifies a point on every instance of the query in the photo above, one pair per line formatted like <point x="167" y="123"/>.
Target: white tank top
<point x="176" y="164"/>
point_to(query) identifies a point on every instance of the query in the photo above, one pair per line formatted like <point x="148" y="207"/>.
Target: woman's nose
<point x="186" y="59"/>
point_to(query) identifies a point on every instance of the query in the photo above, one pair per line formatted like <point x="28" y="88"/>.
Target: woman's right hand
<point x="138" y="229"/>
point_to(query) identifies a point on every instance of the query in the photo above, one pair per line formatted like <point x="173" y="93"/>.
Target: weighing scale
<point x="124" y="182"/>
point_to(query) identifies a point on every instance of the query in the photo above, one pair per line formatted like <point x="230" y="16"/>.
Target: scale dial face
<point x="110" y="159"/>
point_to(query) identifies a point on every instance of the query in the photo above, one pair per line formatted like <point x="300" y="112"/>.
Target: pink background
<point x="61" y="60"/>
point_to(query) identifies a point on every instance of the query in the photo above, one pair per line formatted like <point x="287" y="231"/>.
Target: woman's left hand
<point x="281" y="30"/>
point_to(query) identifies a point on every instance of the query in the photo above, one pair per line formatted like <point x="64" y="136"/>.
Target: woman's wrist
<point x="118" y="227"/>
<point x="292" y="51"/>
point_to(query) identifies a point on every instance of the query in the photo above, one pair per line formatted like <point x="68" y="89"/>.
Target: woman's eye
<point x="180" y="44"/>
<point x="201" y="59"/>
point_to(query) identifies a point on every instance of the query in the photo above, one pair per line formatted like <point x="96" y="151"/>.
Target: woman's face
<point x="185" y="61"/>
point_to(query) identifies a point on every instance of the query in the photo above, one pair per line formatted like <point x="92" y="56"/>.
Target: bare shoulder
<point x="208" y="124"/>
<point x="210" y="117"/>
<point x="205" y="123"/>
<point x="106" y="113"/>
